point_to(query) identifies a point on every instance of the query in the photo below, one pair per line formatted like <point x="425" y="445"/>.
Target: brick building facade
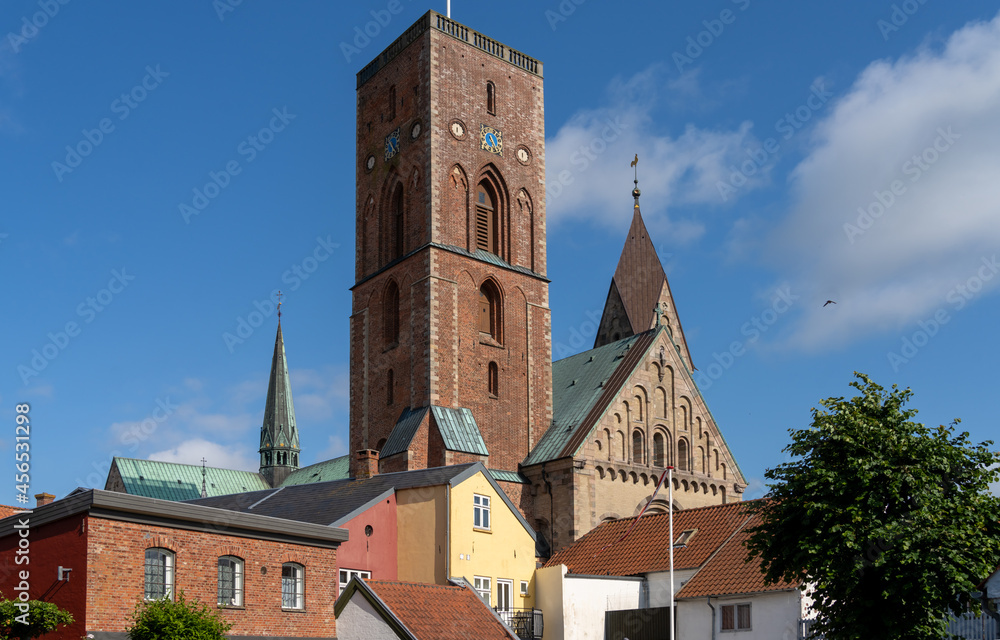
<point x="450" y="326"/>
<point x="97" y="554"/>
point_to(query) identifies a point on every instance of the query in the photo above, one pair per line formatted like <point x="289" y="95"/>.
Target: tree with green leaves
<point x="178" y="619"/>
<point x="25" y="620"/>
<point x="888" y="523"/>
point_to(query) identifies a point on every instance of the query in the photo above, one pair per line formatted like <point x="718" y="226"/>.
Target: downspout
<point x="713" y="616"/>
<point x="447" y="529"/>
<point x="552" y="503"/>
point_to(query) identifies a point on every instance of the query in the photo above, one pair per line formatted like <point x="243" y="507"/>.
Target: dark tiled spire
<point x="279" y="437"/>
<point x="638" y="290"/>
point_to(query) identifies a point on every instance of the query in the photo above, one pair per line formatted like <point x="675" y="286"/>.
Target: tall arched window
<point x="396" y="224"/>
<point x="658" y="450"/>
<point x="486" y="218"/>
<point x="639" y="402"/>
<point x="390" y="313"/>
<point x="620" y="445"/>
<point x="491" y="98"/>
<point x="490" y="311"/>
<point x="494" y="380"/>
<point x="682" y="455"/>
<point x="390" y="384"/>
<point x="637" y="448"/>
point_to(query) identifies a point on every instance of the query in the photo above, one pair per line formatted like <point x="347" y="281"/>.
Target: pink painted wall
<point x="377" y="552"/>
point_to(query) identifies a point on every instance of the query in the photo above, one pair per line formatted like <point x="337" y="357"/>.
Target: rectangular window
<point x="736" y="617"/>
<point x="482" y="586"/>
<point x="481" y="511"/>
<point x="347" y="574"/>
<point x="292" y="586"/>
<point x="505" y="594"/>
<point x="524" y="587"/>
<point x="230" y="589"/>
<point x="159" y="579"/>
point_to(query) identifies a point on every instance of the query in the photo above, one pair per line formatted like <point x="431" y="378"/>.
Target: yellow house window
<point x="482" y="586"/>
<point x="481" y="511"/>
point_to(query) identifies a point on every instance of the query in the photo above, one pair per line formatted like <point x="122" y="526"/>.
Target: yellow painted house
<point x="459" y="523"/>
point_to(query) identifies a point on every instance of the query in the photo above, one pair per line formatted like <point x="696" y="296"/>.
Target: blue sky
<point x="788" y="151"/>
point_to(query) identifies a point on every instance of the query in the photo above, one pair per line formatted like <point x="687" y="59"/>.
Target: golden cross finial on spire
<point x="279" y="307"/>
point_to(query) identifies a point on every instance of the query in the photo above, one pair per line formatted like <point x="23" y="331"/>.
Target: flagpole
<point x="670" y="506"/>
<point x="449" y="9"/>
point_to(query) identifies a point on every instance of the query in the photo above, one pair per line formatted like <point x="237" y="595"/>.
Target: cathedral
<point x="450" y="328"/>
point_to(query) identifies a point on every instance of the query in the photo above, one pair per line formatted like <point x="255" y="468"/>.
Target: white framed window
<point x="230" y="590"/>
<point x="159" y="580"/>
<point x="736" y="617"/>
<point x="481" y="511"/>
<point x="292" y="586"/>
<point x="347" y="574"/>
<point x="524" y="587"/>
<point x="482" y="586"/>
<point x="505" y="594"/>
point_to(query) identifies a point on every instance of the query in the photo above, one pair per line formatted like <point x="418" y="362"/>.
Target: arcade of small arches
<point x="681" y="485"/>
<point x="638" y="433"/>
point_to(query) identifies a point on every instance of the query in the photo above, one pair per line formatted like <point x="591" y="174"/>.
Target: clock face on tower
<point x="392" y="144"/>
<point x="491" y="140"/>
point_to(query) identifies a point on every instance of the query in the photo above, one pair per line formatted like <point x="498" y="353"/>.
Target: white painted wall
<point x="574" y="606"/>
<point x="773" y="616"/>
<point x="360" y="621"/>
<point x="659" y="585"/>
<point x="993" y="585"/>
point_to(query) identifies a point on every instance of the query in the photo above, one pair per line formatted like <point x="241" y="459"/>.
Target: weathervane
<point x="636" y="192"/>
<point x="279" y="307"/>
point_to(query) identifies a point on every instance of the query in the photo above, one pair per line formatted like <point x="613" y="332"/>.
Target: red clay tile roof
<point x="729" y="573"/>
<point x="438" y="612"/>
<point x="6" y="512"/>
<point x="647" y="548"/>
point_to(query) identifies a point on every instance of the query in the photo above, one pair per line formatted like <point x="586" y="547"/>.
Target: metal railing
<point x="526" y="623"/>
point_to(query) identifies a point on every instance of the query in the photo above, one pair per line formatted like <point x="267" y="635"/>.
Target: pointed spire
<point x="279" y="436"/>
<point x="640" y="297"/>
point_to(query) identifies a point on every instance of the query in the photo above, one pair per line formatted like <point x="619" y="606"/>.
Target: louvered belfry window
<point x="486" y="227"/>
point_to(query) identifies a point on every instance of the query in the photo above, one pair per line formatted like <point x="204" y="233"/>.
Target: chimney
<point x="43" y="499"/>
<point x="367" y="463"/>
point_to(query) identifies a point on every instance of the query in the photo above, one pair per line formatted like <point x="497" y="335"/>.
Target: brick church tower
<point x="450" y="324"/>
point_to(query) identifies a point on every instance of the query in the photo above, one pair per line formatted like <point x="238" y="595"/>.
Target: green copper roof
<point x="578" y="382"/>
<point x="508" y="476"/>
<point x="336" y="469"/>
<point x="174" y="481"/>
<point x="459" y="430"/>
<point x="402" y="434"/>
<point x="279" y="429"/>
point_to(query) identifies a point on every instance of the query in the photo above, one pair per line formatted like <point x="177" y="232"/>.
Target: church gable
<point x="658" y="418"/>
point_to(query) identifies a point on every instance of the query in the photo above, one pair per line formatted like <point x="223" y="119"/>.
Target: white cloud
<point x="335" y="447"/>
<point x="928" y="124"/>
<point x="319" y="395"/>
<point x="587" y="160"/>
<point x="216" y="455"/>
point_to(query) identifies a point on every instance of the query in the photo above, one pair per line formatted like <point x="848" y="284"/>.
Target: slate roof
<point x="729" y="573"/>
<point x="508" y="476"/>
<point x="402" y="434"/>
<point x="582" y="388"/>
<point x="335" y="469"/>
<point x="175" y="481"/>
<point x="334" y="503"/>
<point x="438" y="612"/>
<point x="647" y="548"/>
